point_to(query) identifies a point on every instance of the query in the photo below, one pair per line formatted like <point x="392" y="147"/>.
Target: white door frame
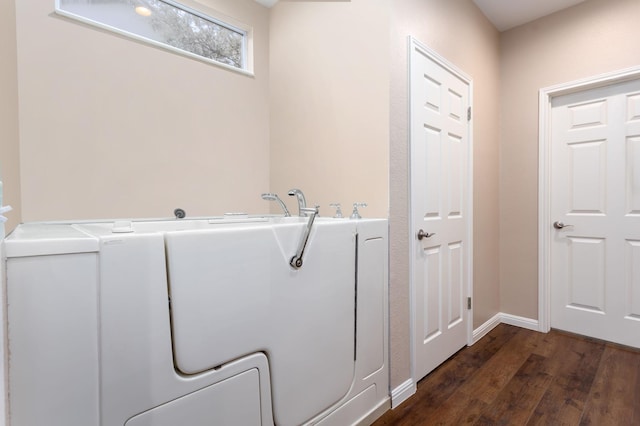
<point x="437" y="58"/>
<point x="546" y="96"/>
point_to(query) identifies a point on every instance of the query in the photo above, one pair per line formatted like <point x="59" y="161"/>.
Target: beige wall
<point x="594" y="37"/>
<point x="332" y="111"/>
<point x="9" y="142"/>
<point x="459" y="32"/>
<point x="110" y="127"/>
<point x="330" y="103"/>
<point x="114" y="128"/>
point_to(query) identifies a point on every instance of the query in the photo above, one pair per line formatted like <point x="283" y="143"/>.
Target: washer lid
<point x="38" y="239"/>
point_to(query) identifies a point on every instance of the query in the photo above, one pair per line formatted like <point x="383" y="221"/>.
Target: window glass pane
<point x="166" y="23"/>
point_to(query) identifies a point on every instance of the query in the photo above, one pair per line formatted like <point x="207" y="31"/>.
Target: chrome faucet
<point x="302" y="202"/>
<point x="274" y="197"/>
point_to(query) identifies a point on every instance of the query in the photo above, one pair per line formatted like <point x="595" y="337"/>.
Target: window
<point x="167" y="24"/>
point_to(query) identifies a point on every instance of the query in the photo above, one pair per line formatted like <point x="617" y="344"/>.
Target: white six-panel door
<point x="595" y="213"/>
<point x="440" y="209"/>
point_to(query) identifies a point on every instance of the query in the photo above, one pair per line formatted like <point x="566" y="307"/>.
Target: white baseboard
<point x="500" y="318"/>
<point x="485" y="328"/>
<point x="402" y="392"/>
<point x="522" y="322"/>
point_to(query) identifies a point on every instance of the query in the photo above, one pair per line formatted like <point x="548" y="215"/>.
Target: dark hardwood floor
<point x="515" y="376"/>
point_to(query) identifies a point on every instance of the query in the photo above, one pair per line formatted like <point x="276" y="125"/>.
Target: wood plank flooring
<point x="515" y="376"/>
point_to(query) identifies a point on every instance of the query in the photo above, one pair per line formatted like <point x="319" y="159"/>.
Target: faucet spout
<point x="274" y="197"/>
<point x="302" y="202"/>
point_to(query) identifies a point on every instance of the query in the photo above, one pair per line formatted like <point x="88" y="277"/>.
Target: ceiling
<point x="267" y="3"/>
<point x="506" y="14"/>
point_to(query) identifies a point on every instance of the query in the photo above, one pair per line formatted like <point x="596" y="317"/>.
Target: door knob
<point x="559" y="225"/>
<point x="422" y="234"/>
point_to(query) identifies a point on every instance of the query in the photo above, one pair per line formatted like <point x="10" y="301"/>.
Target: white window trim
<point x="189" y="7"/>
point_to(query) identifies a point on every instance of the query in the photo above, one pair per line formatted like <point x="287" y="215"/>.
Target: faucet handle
<point x="356" y="214"/>
<point x="338" y="208"/>
<point x="305" y="211"/>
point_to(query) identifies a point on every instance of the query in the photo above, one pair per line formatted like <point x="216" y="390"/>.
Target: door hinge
<point x="469" y="114"/>
<point x="468" y="303"/>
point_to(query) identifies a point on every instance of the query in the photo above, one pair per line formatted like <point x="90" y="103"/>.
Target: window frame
<point x="244" y="30"/>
